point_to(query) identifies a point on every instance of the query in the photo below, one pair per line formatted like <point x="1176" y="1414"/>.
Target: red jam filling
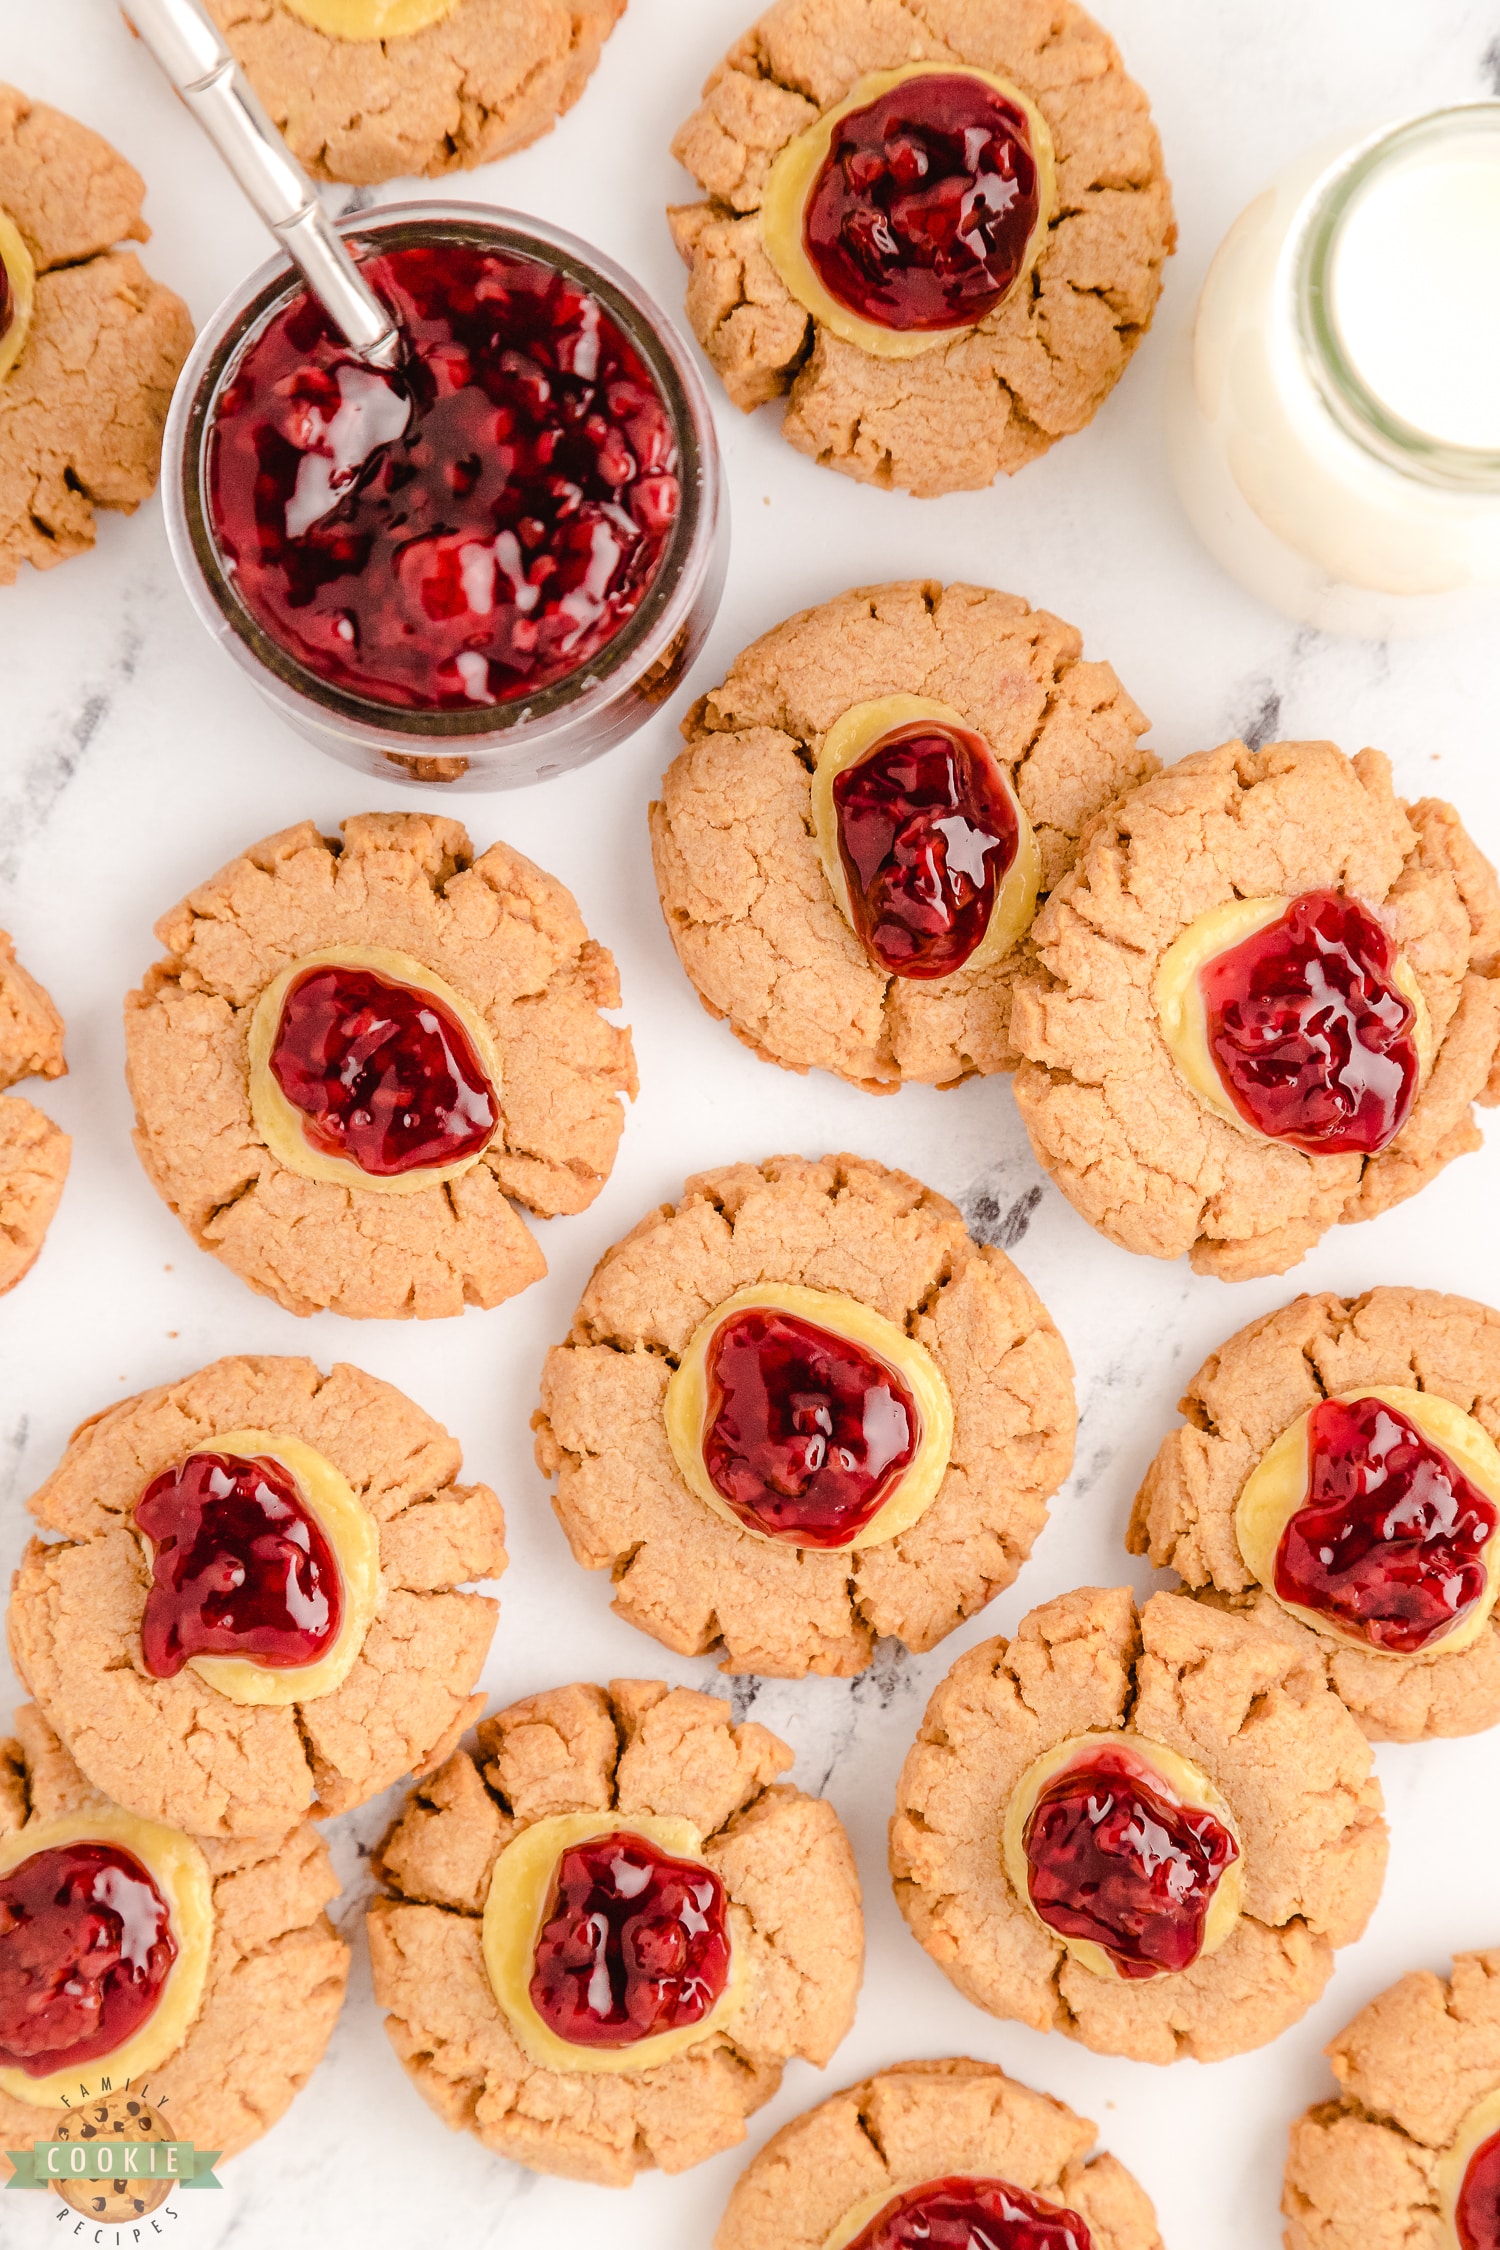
<point x="85" y="1947"/>
<point x="239" y="1567"/>
<point x="380" y="1073"/>
<point x="633" y="1942"/>
<point x="924" y="206"/>
<point x="806" y="1434"/>
<point x="7" y="301"/>
<point x="965" y="2214"/>
<point x="1390" y="1540"/>
<point x="927" y="834"/>
<point x="1313" y="1039"/>
<point x="468" y="530"/>
<point x="1113" y="1858"/>
<point x="1476" y="2216"/>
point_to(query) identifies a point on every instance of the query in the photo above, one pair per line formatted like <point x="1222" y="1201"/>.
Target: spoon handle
<point x="205" y="73"/>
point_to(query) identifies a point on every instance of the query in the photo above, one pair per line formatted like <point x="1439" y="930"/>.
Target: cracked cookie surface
<point x="489" y="77"/>
<point x="510" y="941"/>
<point x="1253" y="1713"/>
<point x="83" y="408"/>
<point x="1110" y="1115"/>
<point x="34" y="1153"/>
<point x="1362" y="2170"/>
<point x="1040" y="366"/>
<point x="177" y="1749"/>
<point x="1239" y="1402"/>
<point x="276" y="1970"/>
<point x="638" y="1748"/>
<point x="926" y="2121"/>
<point x="694" y="1580"/>
<point x="747" y="901"/>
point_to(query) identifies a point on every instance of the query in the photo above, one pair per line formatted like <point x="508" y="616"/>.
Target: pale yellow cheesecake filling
<point x="686" y="1404"/>
<point x="515" y="1910"/>
<point x="351" y="1532"/>
<point x="1177" y="1779"/>
<point x="851" y="738"/>
<point x="176" y="1865"/>
<point x="794" y="174"/>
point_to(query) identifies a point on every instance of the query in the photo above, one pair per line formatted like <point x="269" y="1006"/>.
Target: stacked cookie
<point x="247" y="1612"/>
<point x="247" y="1607"/>
<point x="90" y="344"/>
<point x="913" y="836"/>
<point x="34" y="1152"/>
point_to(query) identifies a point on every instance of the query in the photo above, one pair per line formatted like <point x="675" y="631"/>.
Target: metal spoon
<point x="193" y="54"/>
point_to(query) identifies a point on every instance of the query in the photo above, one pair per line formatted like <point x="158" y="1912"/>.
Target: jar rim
<point x="1359" y="411"/>
<point x="641" y="642"/>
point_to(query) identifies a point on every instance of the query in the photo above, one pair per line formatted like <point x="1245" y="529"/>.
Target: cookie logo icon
<point x="121" y="2194"/>
<point x="111" y="2158"/>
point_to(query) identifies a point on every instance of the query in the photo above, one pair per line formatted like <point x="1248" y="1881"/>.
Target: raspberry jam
<point x="7" y="301"/>
<point x="471" y="529"/>
<point x="1114" y="1858"/>
<point x="972" y="2214"/>
<point x="1390" y="1539"/>
<point x="1313" y="1040"/>
<point x="85" y="1947"/>
<point x="806" y="1434"/>
<point x="1476" y="2215"/>
<point x="633" y="1942"/>
<point x="239" y="1567"/>
<point x="927" y="834"/>
<point x="926" y="202"/>
<point x="380" y="1072"/>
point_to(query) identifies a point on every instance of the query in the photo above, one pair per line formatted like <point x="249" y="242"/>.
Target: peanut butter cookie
<point x="90" y="345"/>
<point x="1268" y="997"/>
<point x="354" y="1054"/>
<point x="924" y="2142"/>
<point x="611" y="1927"/>
<point x="369" y="90"/>
<point x="1409" y="2152"/>
<point x="938" y="225"/>
<point x="850" y="849"/>
<point x="247" y="1608"/>
<point x="1383" y="1409"/>
<point x="238" y="1973"/>
<point x="34" y="1152"/>
<point x="1015" y="1844"/>
<point x="802" y="1409"/>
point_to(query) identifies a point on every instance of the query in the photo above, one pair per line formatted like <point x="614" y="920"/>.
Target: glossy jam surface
<point x="239" y="1567"/>
<point x="85" y="1947"/>
<point x="1113" y="1858"/>
<point x="1314" y="1042"/>
<point x="7" y="299"/>
<point x="972" y="2214"/>
<point x="927" y="834"/>
<point x="1476" y="2216"/>
<point x="1390" y="1540"/>
<point x="469" y="530"/>
<point x="924" y="207"/>
<point x="806" y="1433"/>
<point x="633" y="1942"/>
<point x="380" y="1072"/>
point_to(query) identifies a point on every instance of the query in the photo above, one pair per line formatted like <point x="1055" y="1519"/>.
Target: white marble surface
<point x="134" y="759"/>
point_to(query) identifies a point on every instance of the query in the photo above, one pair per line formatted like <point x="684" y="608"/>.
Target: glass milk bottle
<point x="1335" y="423"/>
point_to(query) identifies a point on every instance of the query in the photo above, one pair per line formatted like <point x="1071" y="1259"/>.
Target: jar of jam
<point x="485" y="566"/>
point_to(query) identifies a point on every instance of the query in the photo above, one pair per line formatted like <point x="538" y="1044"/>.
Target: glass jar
<point x="1334" y="425"/>
<point x="498" y="745"/>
